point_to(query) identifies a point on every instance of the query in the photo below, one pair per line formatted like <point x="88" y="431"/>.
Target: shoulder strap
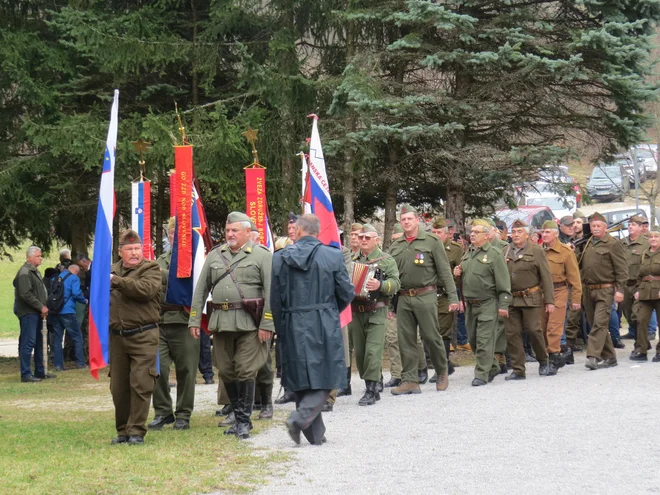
<point x="233" y="279"/>
<point x="508" y="250"/>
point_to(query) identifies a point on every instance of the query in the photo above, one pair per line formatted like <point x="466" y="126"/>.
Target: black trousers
<point x="307" y="415"/>
<point x="205" y="361"/>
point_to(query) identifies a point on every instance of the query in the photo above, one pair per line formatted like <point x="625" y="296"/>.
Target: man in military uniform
<point x="532" y="289"/>
<point x="446" y="318"/>
<point x="178" y="346"/>
<point x="604" y="274"/>
<point x="237" y="274"/>
<point x="367" y="328"/>
<point x="354" y="241"/>
<point x="135" y="286"/>
<point x="574" y="318"/>
<point x="423" y="265"/>
<point x="566" y="280"/>
<point x="495" y="240"/>
<point x="648" y="295"/>
<point x="634" y="245"/>
<point x="566" y="231"/>
<point x="487" y="293"/>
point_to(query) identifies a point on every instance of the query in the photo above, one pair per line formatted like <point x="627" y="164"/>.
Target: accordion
<point x="360" y="275"/>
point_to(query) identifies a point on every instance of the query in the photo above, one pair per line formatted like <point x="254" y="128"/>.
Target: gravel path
<point x="578" y="432"/>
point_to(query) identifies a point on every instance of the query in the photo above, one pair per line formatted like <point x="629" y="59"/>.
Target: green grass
<point x="9" y="328"/>
<point x="56" y="439"/>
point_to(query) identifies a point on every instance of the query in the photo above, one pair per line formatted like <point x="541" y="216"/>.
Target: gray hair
<point x="65" y="252"/>
<point x="309" y="224"/>
<point x="246" y="225"/>
<point x="31" y="251"/>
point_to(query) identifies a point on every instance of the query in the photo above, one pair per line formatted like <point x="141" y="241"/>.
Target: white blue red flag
<point x="269" y="235"/>
<point x="306" y="197"/>
<point x="99" y="299"/>
<point x="321" y="202"/>
<point x="141" y="215"/>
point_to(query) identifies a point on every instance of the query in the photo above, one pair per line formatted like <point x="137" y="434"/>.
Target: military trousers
<point x="265" y="373"/>
<point x="176" y="346"/>
<point x="528" y="320"/>
<point x="367" y="332"/>
<point x="394" y="353"/>
<point x="644" y="312"/>
<point x="239" y="355"/>
<point x="500" y="341"/>
<point x="446" y="318"/>
<point x="553" y="323"/>
<point x="419" y="311"/>
<point x="133" y="376"/>
<point x="630" y="308"/>
<point x="481" y="322"/>
<point x="573" y="324"/>
<point x="597" y="306"/>
<point x="222" y="395"/>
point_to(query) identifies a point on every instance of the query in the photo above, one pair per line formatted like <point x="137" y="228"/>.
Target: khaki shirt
<point x="634" y="250"/>
<point x="604" y="261"/>
<point x="252" y="270"/>
<point x="650" y="265"/>
<point x="134" y="295"/>
<point x="454" y="252"/>
<point x="529" y="268"/>
<point x="564" y="268"/>
<point x="169" y="317"/>
<point x="485" y="275"/>
<point x="423" y="262"/>
<point x="390" y="283"/>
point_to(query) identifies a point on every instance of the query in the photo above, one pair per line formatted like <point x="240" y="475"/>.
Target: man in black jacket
<point x="309" y="288"/>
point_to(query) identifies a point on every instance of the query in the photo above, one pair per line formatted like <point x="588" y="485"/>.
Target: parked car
<point x="616" y="215"/>
<point x="534" y="216"/>
<point x="608" y="182"/>
<point x="628" y="164"/>
<point x="560" y="206"/>
<point x="647" y="154"/>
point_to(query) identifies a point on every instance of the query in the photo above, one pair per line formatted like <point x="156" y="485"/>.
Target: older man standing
<point x="566" y="280"/>
<point x="532" y="291"/>
<point x="634" y="245"/>
<point x="487" y="293"/>
<point x="604" y="275"/>
<point x="30" y="299"/>
<point x="310" y="287"/>
<point x="423" y="265"/>
<point x="566" y="229"/>
<point x="135" y="286"/>
<point x="237" y="274"/>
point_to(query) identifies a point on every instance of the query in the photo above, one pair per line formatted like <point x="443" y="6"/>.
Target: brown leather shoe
<point x="443" y="382"/>
<point x="407" y="388"/>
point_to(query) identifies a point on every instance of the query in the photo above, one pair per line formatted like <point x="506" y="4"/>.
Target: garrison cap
<point x="579" y="214"/>
<point x="171" y="223"/>
<point x="550" y="224"/>
<point x="595" y="216"/>
<point x="646" y="221"/>
<point x="397" y="229"/>
<point x="129" y="237"/>
<point x="293" y="218"/>
<point x="439" y="222"/>
<point x="253" y="227"/>
<point x="408" y="209"/>
<point x="638" y="219"/>
<point x="480" y="222"/>
<point x="567" y="220"/>
<point x="237" y="216"/>
<point x="519" y="224"/>
<point x="450" y="223"/>
<point x="367" y="228"/>
<point x="356" y="227"/>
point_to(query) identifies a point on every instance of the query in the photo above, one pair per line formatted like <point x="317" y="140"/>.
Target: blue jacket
<point x="72" y="293"/>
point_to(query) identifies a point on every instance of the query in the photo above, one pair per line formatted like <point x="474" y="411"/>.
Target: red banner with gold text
<point x="183" y="163"/>
<point x="255" y="198"/>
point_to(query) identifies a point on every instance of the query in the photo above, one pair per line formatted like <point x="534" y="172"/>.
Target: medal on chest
<point x="485" y="259"/>
<point x="419" y="259"/>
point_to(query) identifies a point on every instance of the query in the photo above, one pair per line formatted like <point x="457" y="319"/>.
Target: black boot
<point x="380" y="384"/>
<point x="547" y="368"/>
<point x="233" y="392"/>
<point x="394" y="382"/>
<point x="346" y="391"/>
<point x="266" y="392"/>
<point x="286" y="398"/>
<point x="557" y="359"/>
<point x="371" y="395"/>
<point x="450" y="365"/>
<point x="567" y="355"/>
<point x="244" y="410"/>
<point x="423" y="376"/>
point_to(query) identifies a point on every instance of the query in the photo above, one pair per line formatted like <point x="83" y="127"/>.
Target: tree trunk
<point x="79" y="235"/>
<point x="390" y="213"/>
<point x="455" y="205"/>
<point x="349" y="171"/>
<point x="160" y="213"/>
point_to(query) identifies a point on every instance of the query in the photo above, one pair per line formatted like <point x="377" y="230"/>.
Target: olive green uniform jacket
<point x="604" y="261"/>
<point x="134" y="295"/>
<point x="529" y="268"/>
<point x="485" y="275"/>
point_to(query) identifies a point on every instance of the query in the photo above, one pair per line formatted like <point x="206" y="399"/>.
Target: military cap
<point x="500" y="225"/>
<point x="397" y="229"/>
<point x="595" y="216"/>
<point x="171" y="223"/>
<point x="490" y="221"/>
<point x="579" y="214"/>
<point x="550" y="224"/>
<point x="519" y="224"/>
<point x="655" y="229"/>
<point x="253" y="227"/>
<point x="356" y="227"/>
<point x="237" y="216"/>
<point x="439" y="223"/>
<point x="480" y="222"/>
<point x="367" y="228"/>
<point x="645" y="221"/>
<point x="450" y="223"/>
<point x="129" y="237"/>
<point x="566" y="220"/>
<point x="408" y="209"/>
<point x="638" y="219"/>
<point x="293" y="218"/>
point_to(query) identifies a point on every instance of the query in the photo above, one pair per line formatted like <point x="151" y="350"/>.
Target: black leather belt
<point x="476" y="302"/>
<point x="132" y="331"/>
<point x="366" y="307"/>
<point x="224" y="306"/>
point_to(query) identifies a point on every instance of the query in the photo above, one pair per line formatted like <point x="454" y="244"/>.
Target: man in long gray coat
<point x="309" y="288"/>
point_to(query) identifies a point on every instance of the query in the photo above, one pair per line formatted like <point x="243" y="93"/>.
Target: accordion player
<point x="360" y="275"/>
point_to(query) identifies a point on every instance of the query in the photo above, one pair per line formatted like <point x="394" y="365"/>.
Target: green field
<point x="8" y="322"/>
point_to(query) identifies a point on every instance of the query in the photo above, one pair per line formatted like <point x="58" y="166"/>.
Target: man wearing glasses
<point x="367" y="328"/>
<point x="487" y="293"/>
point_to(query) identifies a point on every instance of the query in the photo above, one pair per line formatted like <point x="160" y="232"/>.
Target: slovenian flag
<point x="269" y="235"/>
<point x="320" y="201"/>
<point x="99" y="299"/>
